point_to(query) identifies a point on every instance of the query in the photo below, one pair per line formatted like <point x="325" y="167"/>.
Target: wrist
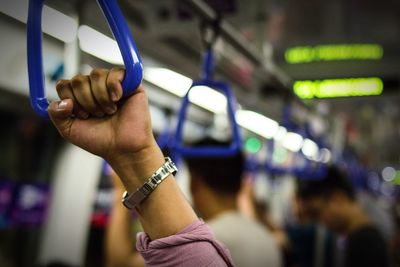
<point x="133" y="199"/>
<point x="135" y="168"/>
<point x="117" y="194"/>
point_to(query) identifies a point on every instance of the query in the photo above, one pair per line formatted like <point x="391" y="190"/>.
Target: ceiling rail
<point x="236" y="39"/>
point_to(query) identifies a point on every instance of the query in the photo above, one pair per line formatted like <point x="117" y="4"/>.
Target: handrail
<point x="120" y="29"/>
<point x="236" y="144"/>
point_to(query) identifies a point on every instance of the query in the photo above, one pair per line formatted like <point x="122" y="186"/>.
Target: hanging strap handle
<point x="215" y="151"/>
<point x="210" y="33"/>
<point x="133" y="64"/>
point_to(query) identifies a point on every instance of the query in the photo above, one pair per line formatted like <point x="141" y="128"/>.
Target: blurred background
<point x="316" y="82"/>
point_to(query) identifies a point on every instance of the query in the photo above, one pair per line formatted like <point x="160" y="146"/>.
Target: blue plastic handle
<point x="235" y="146"/>
<point x="208" y="65"/>
<point x="120" y="29"/>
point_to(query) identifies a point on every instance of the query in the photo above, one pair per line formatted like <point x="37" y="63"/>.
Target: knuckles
<point x="112" y="84"/>
<point x="78" y="81"/>
<point x="61" y="84"/>
<point x="97" y="74"/>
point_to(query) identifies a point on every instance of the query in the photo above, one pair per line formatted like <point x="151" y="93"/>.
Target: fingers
<point x="93" y="95"/>
<point x="60" y="113"/>
<point x="81" y="88"/>
<point x="64" y="91"/>
<point x="98" y="79"/>
<point x="113" y="83"/>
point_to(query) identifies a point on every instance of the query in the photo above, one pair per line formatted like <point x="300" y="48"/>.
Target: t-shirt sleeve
<point x="367" y="248"/>
<point x="193" y="246"/>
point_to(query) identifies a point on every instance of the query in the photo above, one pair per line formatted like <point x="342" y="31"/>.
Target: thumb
<point x="60" y="114"/>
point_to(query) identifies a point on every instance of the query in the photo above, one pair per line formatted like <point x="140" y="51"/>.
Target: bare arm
<point x="123" y="136"/>
<point x="92" y="116"/>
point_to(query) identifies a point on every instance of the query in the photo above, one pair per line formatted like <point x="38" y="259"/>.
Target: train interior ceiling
<point x="281" y="59"/>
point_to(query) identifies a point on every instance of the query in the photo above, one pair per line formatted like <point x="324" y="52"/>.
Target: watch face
<point x="125" y="195"/>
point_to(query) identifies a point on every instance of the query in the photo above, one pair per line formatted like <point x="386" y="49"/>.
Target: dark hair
<point x="222" y="174"/>
<point x="333" y="181"/>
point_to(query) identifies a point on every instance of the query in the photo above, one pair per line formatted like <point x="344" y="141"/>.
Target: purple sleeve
<point x="193" y="246"/>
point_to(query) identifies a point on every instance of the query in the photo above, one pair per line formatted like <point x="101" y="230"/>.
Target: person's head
<point x="214" y="178"/>
<point x="329" y="200"/>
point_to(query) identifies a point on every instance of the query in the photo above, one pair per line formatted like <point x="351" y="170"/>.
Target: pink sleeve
<point x="193" y="246"/>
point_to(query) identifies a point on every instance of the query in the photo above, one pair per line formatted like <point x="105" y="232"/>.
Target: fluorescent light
<point x="388" y="174"/>
<point x="55" y="23"/>
<point x="325" y="155"/>
<point x="179" y="84"/>
<point x="257" y="123"/>
<point x="208" y="98"/>
<point x="310" y="149"/>
<point x="292" y="141"/>
<point x="169" y="80"/>
<point x="280" y="134"/>
<point x="99" y="45"/>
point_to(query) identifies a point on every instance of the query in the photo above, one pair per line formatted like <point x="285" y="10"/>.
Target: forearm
<point x="119" y="242"/>
<point x="165" y="212"/>
<point x="127" y="143"/>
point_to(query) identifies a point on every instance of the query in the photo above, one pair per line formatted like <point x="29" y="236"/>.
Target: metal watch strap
<point x="135" y="198"/>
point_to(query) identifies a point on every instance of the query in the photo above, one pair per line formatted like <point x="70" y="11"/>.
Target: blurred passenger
<point x="381" y="216"/>
<point x="215" y="185"/>
<point x="119" y="244"/>
<point x="332" y="200"/>
<point x="258" y="210"/>
<point x="311" y="243"/>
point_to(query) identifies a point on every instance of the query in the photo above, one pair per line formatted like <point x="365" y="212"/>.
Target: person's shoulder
<point x="244" y="228"/>
<point x="225" y="221"/>
<point x="256" y="229"/>
<point x="247" y="240"/>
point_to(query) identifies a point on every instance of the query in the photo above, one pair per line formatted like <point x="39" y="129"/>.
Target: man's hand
<point x="92" y="116"/>
<point x="89" y="98"/>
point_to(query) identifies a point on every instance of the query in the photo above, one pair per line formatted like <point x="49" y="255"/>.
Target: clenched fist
<point x="92" y="115"/>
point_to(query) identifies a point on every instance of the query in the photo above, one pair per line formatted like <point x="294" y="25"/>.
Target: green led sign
<point x="338" y="88"/>
<point x="306" y="54"/>
<point x="396" y="180"/>
<point x="253" y="145"/>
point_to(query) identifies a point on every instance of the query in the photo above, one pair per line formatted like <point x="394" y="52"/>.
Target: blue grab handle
<point x="208" y="65"/>
<point x="235" y="146"/>
<point x="129" y="52"/>
<point x="120" y="29"/>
